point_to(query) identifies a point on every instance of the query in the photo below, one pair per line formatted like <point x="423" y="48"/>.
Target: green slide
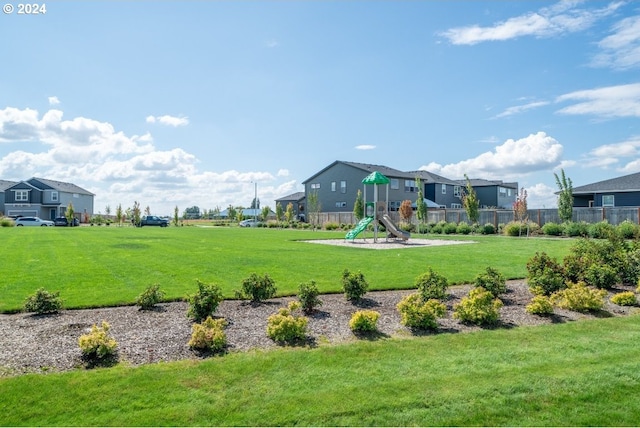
<point x="362" y="225"/>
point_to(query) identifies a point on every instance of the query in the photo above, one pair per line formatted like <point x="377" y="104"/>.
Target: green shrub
<point x="544" y="275"/>
<point x="601" y="276"/>
<point x="205" y="302"/>
<point x="578" y="297"/>
<point x="417" y="313"/>
<point x="308" y="296"/>
<point x="423" y="228"/>
<point x="629" y="271"/>
<point x="408" y="227"/>
<point x="540" y="305"/>
<point x="628" y="230"/>
<point x="330" y="225"/>
<point x="98" y="344"/>
<point x="552" y="229"/>
<point x="43" y="302"/>
<point x="432" y="285"/>
<point x="150" y="297"/>
<point x="488" y="229"/>
<point x="6" y="222"/>
<point x="209" y="336"/>
<point x="463" y="229"/>
<point x="438" y="227"/>
<point x="520" y="228"/>
<point x="600" y="230"/>
<point x="354" y="285"/>
<point x="479" y="307"/>
<point x="492" y="281"/>
<point x="573" y="229"/>
<point x="257" y="289"/>
<point x="364" y="321"/>
<point x="626" y="298"/>
<point x="449" y="228"/>
<point x="287" y="325"/>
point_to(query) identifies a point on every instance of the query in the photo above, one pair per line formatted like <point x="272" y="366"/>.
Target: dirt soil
<point x="49" y="343"/>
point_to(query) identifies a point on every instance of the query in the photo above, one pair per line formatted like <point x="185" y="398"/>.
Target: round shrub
<point x="287" y="326"/>
<point x="308" y="296"/>
<point x="432" y="285"/>
<point x="492" y="281"/>
<point x="601" y="276"/>
<point x="544" y="275"/>
<point x="365" y="321"/>
<point x="515" y="228"/>
<point x="600" y="230"/>
<point x="488" y="229"/>
<point x="580" y="298"/>
<point x="540" y="305"/>
<point x="150" y="297"/>
<point x="354" y="285"/>
<point x="6" y="222"/>
<point x="43" y="302"/>
<point x="205" y="302"/>
<point x="552" y="229"/>
<point x="479" y="307"/>
<point x="417" y="313"/>
<point x="463" y="229"/>
<point x="438" y="227"/>
<point x="98" y="343"/>
<point x="256" y="288"/>
<point x="626" y="298"/>
<point x="574" y="229"/>
<point x="628" y="230"/>
<point x="330" y="226"/>
<point x="209" y="336"/>
<point x="449" y="228"/>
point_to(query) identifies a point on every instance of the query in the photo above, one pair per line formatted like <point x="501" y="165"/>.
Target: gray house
<point x="47" y="199"/>
<point x="4" y="185"/>
<point x="493" y="193"/>
<point x="616" y="192"/>
<point x="297" y="201"/>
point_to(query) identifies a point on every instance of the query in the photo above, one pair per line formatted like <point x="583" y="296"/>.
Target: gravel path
<point x="32" y="343"/>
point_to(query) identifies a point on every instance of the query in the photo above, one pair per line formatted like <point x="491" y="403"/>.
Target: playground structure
<point x="376" y="211"/>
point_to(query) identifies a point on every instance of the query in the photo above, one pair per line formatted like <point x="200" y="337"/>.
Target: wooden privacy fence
<point x="541" y="216"/>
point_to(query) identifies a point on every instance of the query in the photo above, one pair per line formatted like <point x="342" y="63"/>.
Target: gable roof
<point x="626" y="183"/>
<point x="42" y="183"/>
<point x="480" y="182"/>
<point x="365" y="167"/>
<point x="430" y="177"/>
<point x="5" y="184"/>
<point x="292" y="197"/>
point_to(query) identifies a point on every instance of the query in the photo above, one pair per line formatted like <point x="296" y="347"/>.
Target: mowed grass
<point x="583" y="373"/>
<point x="106" y="266"/>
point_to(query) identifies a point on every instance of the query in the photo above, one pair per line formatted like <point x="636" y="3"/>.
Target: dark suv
<point x="62" y="221"/>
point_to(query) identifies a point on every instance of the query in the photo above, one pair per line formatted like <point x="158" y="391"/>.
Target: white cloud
<point x="610" y="154"/>
<point x="53" y="101"/>
<point x="365" y="147"/>
<point x="168" y="120"/>
<point x="621" y="50"/>
<point x="541" y="196"/>
<point x="521" y="108"/>
<point x="283" y="173"/>
<point x="611" y="101"/>
<point x="272" y="43"/>
<point x="563" y="17"/>
<point x="510" y="160"/>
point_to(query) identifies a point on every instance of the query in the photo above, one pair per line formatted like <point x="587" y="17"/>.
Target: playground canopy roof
<point x="375" y="178"/>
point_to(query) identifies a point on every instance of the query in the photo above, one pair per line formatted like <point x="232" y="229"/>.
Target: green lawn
<point x="583" y="373"/>
<point x="103" y="266"/>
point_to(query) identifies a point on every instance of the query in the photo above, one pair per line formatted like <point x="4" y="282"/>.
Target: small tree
<point x="239" y="215"/>
<point x="406" y="212"/>
<point x="176" y="216"/>
<point x="470" y="202"/>
<point x="147" y="210"/>
<point x="265" y="213"/>
<point x="565" y="196"/>
<point x="231" y="212"/>
<point x="255" y="204"/>
<point x="69" y="214"/>
<point x="107" y="210"/>
<point x="136" y="213"/>
<point x="119" y="214"/>
<point x="520" y="209"/>
<point x="279" y="212"/>
<point x="358" y="207"/>
<point x="313" y="202"/>
<point x="421" y="206"/>
<point x="288" y="215"/>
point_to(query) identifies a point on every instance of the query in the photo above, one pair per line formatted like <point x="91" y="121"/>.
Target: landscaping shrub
<point x="6" y="222"/>
<point x="438" y="227"/>
<point x="330" y="225"/>
<point x="408" y="227"/>
<point x="43" y="302"/>
<point x="520" y="228"/>
<point x="432" y="285"/>
<point x="479" y="307"/>
<point x="365" y="321"/>
<point x="423" y="228"/>
<point x="573" y="229"/>
<point x="610" y="254"/>
<point x="287" y="325"/>
<point x="354" y="285"/>
<point x="601" y="276"/>
<point x="552" y="229"/>
<point x="308" y="296"/>
<point x="463" y="229"/>
<point x="600" y="230"/>
<point x="580" y="298"/>
<point x="205" y="302"/>
<point x="544" y="275"/>
<point x="628" y="230"/>
<point x="98" y="344"/>
<point x="449" y="228"/>
<point x="540" y="305"/>
<point x="415" y="312"/>
<point x="150" y="297"/>
<point x="626" y="298"/>
<point x="209" y="336"/>
<point x="488" y="229"/>
<point x="257" y="289"/>
<point x="492" y="281"/>
<point x="629" y="272"/>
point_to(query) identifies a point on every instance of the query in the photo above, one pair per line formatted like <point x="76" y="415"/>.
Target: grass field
<point x="583" y="373"/>
<point x="105" y="266"/>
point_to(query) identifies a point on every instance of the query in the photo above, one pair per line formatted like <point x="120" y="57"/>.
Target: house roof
<point x="430" y="177"/>
<point x="480" y="182"/>
<point x="626" y="183"/>
<point x="365" y="167"/>
<point x="298" y="196"/>
<point x="5" y="184"/>
<point x="43" y="183"/>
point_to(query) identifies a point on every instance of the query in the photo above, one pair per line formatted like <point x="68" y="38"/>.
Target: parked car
<point x="152" y="220"/>
<point x="32" y="221"/>
<point x="249" y="223"/>
<point x="62" y="221"/>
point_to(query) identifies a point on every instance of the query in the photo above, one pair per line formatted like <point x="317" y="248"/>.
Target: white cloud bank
<point x="365" y="147"/>
<point x="608" y="102"/>
<point x="168" y="120"/>
<point x="621" y="49"/>
<point x="121" y="169"/>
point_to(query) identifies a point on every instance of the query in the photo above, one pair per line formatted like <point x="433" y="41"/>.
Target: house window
<point x="456" y="191"/>
<point x="75" y="195"/>
<point x="22" y="195"/>
<point x="315" y="186"/>
<point x="508" y="192"/>
<point x="502" y="191"/>
<point x="54" y="196"/>
<point x="457" y="206"/>
<point x="394" y="183"/>
<point x="343" y="187"/>
<point x="444" y="189"/>
<point x="410" y="186"/>
<point x="333" y="186"/>
<point x="607" y="201"/>
<point x="341" y="204"/>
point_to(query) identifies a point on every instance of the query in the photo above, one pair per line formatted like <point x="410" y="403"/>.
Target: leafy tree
<point x="279" y="212"/>
<point x="358" y="207"/>
<point x="313" y="202"/>
<point x="406" y="212"/>
<point x="421" y="206"/>
<point x="265" y="213"/>
<point x="231" y="212"/>
<point x="176" y="215"/>
<point x="216" y="211"/>
<point x="107" y="210"/>
<point x="565" y="196"/>
<point x="520" y="206"/>
<point x="239" y="215"/>
<point x="147" y="210"/>
<point x="255" y="203"/>
<point x="119" y="214"/>
<point x="470" y="202"/>
<point x="136" y="213"/>
<point x="289" y="212"/>
<point x="69" y="214"/>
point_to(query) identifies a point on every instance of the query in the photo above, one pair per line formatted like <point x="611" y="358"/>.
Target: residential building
<point x="297" y="201"/>
<point x="616" y="192"/>
<point x="493" y="193"/>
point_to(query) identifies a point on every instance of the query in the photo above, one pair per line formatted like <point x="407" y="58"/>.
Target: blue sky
<point x="190" y="103"/>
